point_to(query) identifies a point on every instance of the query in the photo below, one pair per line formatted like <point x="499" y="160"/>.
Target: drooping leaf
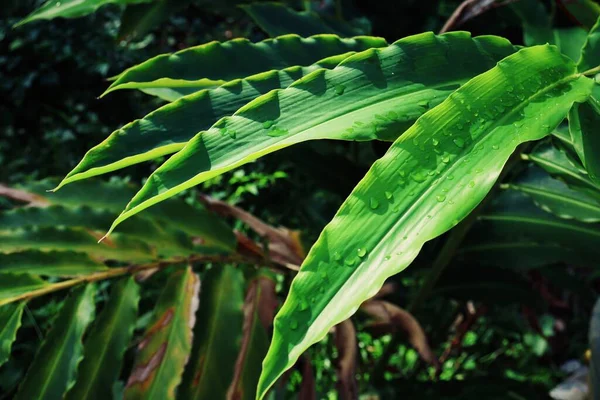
<point x="278" y="19"/>
<point x="259" y="310"/>
<point x="556" y="197"/>
<point x="54" y="368"/>
<point x="391" y="318"/>
<point x="584" y="126"/>
<point x="346" y="343"/>
<point x="15" y="285"/>
<point x="590" y="54"/>
<point x="213" y="64"/>
<point x="584" y="12"/>
<point x="165" y="348"/>
<point x="433" y="176"/>
<point x="169" y="128"/>
<point x="53" y="263"/>
<point x="216" y="335"/>
<point x="105" y="346"/>
<point x="71" y="8"/>
<point x="10" y="322"/>
<point x="375" y="94"/>
<point x="138" y="18"/>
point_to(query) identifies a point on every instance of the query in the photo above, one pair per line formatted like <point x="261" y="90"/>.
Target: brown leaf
<point x="345" y="341"/>
<point x="34" y="200"/>
<point x="469" y="9"/>
<point x="389" y="318"/>
<point x="261" y="302"/>
<point x="284" y="244"/>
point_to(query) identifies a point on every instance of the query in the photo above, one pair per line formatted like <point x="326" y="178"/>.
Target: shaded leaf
<point x="140" y="18"/>
<point x="10" y="322"/>
<point x="375" y="94"/>
<point x="105" y="346"/>
<point x="211" y="64"/>
<point x="420" y="189"/>
<point x="14" y="285"/>
<point x="584" y="126"/>
<point x="590" y="54"/>
<point x="52" y="263"/>
<point x="216" y="335"/>
<point x="54" y="368"/>
<point x="346" y="343"/>
<point x="389" y="317"/>
<point x="165" y="348"/>
<point x="583" y="12"/>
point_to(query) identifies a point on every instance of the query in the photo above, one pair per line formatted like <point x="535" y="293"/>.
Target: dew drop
<point x="339" y="89"/>
<point x="323" y="274"/>
<point x="495" y="147"/>
<point x="361" y="252"/>
<point x="435" y="142"/>
<point x="418" y="176"/>
<point x="350" y="261"/>
<point x="450" y="177"/>
<point x="446" y="159"/>
<point x="440" y="198"/>
<point x="373" y="203"/>
<point x="337" y="256"/>
<point x="389" y="195"/>
<point x="294" y="324"/>
<point x="276" y="132"/>
<point x="303" y="305"/>
<point x="459" y="142"/>
<point x="268" y="124"/>
<point x="424" y="104"/>
<point x="471" y="183"/>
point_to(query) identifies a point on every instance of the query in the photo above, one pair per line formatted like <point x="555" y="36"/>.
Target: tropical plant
<point x="481" y="161"/>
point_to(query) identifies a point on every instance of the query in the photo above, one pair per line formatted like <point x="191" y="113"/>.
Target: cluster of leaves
<point x="455" y="107"/>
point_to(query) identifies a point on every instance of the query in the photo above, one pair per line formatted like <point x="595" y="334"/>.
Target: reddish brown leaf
<point x="284" y="244"/>
<point x="389" y="318"/>
<point x="34" y="200"/>
<point x="345" y="341"/>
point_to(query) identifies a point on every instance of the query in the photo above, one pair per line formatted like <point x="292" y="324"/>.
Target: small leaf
<point x="165" y="348"/>
<point x="54" y="368"/>
<point x="105" y="346"/>
<point x="10" y="322"/>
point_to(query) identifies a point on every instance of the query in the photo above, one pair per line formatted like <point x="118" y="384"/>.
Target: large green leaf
<point x="14" y="285"/>
<point x="375" y="94"/>
<point x="53" y="263"/>
<point x="54" y="367"/>
<point x="278" y="19"/>
<point x="216" y="335"/>
<point x="556" y="197"/>
<point x="165" y="347"/>
<point x="105" y="346"/>
<point x="168" y="129"/>
<point x="71" y="8"/>
<point x="10" y="321"/>
<point x="215" y="63"/>
<point x="433" y="176"/>
<point x="584" y="126"/>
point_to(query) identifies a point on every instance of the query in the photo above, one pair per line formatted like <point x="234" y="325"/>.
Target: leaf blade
<point x="10" y="322"/>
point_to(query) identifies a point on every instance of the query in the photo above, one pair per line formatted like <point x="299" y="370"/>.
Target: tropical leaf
<point x="278" y="19"/>
<point x="216" y="335"/>
<point x="53" y="263"/>
<point x="14" y="285"/>
<point x="211" y="65"/>
<point x="166" y="345"/>
<point x="590" y="54"/>
<point x="259" y="310"/>
<point x="584" y="126"/>
<point x="149" y="137"/>
<point x="106" y="344"/>
<point x="433" y="176"/>
<point x="556" y="197"/>
<point x="10" y="322"/>
<point x="71" y="8"/>
<point x="140" y="18"/>
<point x="375" y="94"/>
<point x="54" y="367"/>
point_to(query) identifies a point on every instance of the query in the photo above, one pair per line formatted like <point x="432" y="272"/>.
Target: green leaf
<point x="165" y="348"/>
<point x="105" y="347"/>
<point x="10" y="321"/>
<point x="556" y="197"/>
<point x="213" y="64"/>
<point x="216" y="335"/>
<point x="140" y="18"/>
<point x="584" y="126"/>
<point x="375" y="94"/>
<point x="278" y="19"/>
<point x="14" y="285"/>
<point x="590" y="54"/>
<point x="259" y="309"/>
<point x="61" y="264"/>
<point x="585" y="12"/>
<point x="71" y="8"/>
<point x="570" y="41"/>
<point x="169" y="128"/>
<point x="432" y="177"/>
<point x="54" y="368"/>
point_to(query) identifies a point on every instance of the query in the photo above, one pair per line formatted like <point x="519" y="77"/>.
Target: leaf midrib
<point x="590" y="205"/>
